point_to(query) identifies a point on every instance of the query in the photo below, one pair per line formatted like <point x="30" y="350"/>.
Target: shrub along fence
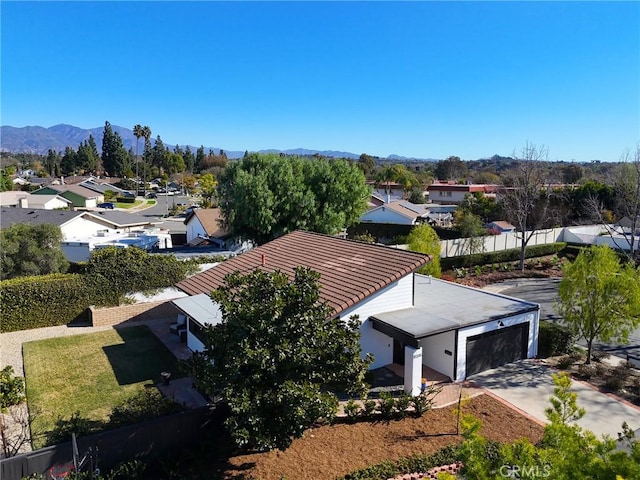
<point x="144" y="441"/>
<point x="511" y="255"/>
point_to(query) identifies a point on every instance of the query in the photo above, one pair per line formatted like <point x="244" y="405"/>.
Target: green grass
<point x="90" y="374"/>
<point x="128" y="205"/>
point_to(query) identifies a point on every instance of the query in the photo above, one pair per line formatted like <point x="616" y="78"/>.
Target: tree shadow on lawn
<point x="141" y="358"/>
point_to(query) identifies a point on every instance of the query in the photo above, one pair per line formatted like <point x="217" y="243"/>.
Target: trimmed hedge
<point x="511" y="255"/>
<point x="60" y="299"/>
<point x="554" y="339"/>
<point x="43" y="301"/>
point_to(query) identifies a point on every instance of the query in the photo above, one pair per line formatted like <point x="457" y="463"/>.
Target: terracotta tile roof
<point x="349" y="271"/>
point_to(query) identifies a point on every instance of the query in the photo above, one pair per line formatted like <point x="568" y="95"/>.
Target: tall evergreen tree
<point x="115" y="159"/>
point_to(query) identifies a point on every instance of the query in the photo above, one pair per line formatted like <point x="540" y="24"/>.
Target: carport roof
<point x="441" y="306"/>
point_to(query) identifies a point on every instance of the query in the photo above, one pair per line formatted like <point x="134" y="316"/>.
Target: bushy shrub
<point x="585" y="372"/>
<point x="386" y="405"/>
<point x="554" y="339"/>
<point x="352" y="410"/>
<point x="144" y="405"/>
<point x="565" y="362"/>
<point x="599" y="355"/>
<point x="11" y="388"/>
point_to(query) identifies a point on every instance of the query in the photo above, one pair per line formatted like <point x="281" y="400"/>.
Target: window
<point x="196" y="329"/>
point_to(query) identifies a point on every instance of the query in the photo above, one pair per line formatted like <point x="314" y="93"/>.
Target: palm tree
<point x="138" y="131"/>
<point x="146" y="133"/>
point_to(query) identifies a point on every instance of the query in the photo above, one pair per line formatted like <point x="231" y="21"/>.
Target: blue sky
<point x="418" y="79"/>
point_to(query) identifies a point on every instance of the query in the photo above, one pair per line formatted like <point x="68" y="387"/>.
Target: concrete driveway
<point x="528" y="386"/>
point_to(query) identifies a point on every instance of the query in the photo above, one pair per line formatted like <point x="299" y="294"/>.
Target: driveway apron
<point x="528" y="386"/>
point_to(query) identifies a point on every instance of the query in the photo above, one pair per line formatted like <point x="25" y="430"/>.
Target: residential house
<point x="501" y="226"/>
<point x="406" y="213"/>
<point x="82" y="231"/>
<point x="204" y="227"/>
<point x="26" y="200"/>
<point x="406" y="318"/>
<point x="388" y="191"/>
<point x="454" y="193"/>
<point x="79" y="195"/>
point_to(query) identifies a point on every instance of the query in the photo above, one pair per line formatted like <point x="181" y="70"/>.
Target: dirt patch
<point x="332" y="451"/>
<point x="607" y="375"/>
<point x="483" y="275"/>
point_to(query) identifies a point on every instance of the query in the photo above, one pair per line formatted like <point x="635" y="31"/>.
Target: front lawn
<point x="90" y="374"/>
<point x="127" y="205"/>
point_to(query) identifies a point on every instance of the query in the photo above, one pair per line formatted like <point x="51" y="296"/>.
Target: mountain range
<point x="39" y="140"/>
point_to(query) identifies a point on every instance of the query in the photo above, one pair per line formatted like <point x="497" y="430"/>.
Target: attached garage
<point x="497" y="347"/>
<point x="461" y="331"/>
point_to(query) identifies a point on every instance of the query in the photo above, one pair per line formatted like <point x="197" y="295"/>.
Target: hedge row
<point x="43" y="301"/>
<point x="501" y="256"/>
<point x="60" y="299"/>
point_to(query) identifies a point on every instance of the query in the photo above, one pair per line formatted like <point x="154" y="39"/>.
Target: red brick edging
<point x="453" y="469"/>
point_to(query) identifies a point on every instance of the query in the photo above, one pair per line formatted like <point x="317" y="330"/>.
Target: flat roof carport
<point x="441" y="306"/>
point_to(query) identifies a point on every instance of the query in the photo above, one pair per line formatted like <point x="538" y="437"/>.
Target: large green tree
<point x="424" y="239"/>
<point x="265" y="196"/>
<point x="5" y="182"/>
<point x="599" y="297"/>
<point x="277" y="357"/>
<point x="115" y="158"/>
<point x="31" y="250"/>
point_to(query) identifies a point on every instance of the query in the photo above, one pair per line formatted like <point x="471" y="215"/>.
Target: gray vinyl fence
<point x="494" y="243"/>
<point x="159" y="436"/>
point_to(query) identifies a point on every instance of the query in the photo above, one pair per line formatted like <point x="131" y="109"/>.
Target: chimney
<point x="264" y="260"/>
<point x="61" y="180"/>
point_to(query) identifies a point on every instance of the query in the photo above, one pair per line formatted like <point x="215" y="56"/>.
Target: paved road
<point x="545" y="292"/>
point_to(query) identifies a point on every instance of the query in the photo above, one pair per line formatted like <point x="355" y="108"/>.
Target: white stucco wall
<point x="384" y="214"/>
<point x="195" y="228"/>
<point x="465" y="333"/>
<point x="396" y="296"/>
<point x="433" y="352"/>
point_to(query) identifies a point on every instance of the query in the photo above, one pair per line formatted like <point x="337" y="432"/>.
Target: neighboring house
<point x="20" y="181"/>
<point x="101" y="187"/>
<point x="500" y="226"/>
<point x="26" y="200"/>
<point x="82" y="232"/>
<point x="375" y="201"/>
<point x="388" y="191"/>
<point x="406" y="318"/>
<point x="204" y="227"/>
<point x="406" y="213"/>
<point x="80" y="196"/>
<point x="454" y="193"/>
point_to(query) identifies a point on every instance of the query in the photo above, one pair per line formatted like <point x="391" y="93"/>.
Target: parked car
<point x="152" y="195"/>
<point x="127" y="194"/>
<point x="107" y="205"/>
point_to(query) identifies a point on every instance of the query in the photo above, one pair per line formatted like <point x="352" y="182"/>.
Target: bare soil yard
<point x="329" y="452"/>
